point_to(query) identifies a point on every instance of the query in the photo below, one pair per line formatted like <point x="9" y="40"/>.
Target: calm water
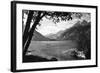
<point x="51" y="49"/>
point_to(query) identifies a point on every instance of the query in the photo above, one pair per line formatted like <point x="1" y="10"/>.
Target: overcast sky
<point x="48" y="27"/>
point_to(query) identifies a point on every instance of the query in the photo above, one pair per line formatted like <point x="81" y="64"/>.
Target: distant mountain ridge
<point x="75" y="32"/>
<point x="39" y="37"/>
<point x="72" y="33"/>
<point x="55" y="36"/>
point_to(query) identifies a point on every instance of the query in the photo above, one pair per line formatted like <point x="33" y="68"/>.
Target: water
<point x="49" y="49"/>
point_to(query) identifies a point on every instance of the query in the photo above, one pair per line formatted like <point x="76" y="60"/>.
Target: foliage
<point x="80" y="32"/>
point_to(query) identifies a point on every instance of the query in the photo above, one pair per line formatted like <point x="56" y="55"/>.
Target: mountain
<point x="39" y="37"/>
<point x="54" y="36"/>
<point x="77" y="31"/>
<point x="83" y="23"/>
<point x="73" y="33"/>
<point x="81" y="33"/>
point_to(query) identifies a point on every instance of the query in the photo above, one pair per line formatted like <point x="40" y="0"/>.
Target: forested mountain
<point x="77" y="32"/>
<point x="39" y="37"/>
<point x="81" y="33"/>
<point x="55" y="36"/>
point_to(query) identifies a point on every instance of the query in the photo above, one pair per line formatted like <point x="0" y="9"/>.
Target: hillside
<point x="39" y="37"/>
<point x="81" y="33"/>
<point x="79" y="30"/>
<point x="55" y="36"/>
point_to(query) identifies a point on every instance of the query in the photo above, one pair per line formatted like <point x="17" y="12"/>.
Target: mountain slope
<point x="77" y="31"/>
<point x="55" y="36"/>
<point x="81" y="33"/>
<point x="39" y="37"/>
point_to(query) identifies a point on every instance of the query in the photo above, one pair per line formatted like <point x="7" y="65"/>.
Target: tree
<point x="36" y="16"/>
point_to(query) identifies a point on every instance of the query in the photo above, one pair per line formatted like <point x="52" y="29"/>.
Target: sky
<point x="49" y="27"/>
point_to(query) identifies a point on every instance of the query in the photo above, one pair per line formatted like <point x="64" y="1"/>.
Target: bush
<point x="32" y="58"/>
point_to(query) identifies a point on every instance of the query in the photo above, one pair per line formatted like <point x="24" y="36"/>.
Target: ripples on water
<point x="51" y="49"/>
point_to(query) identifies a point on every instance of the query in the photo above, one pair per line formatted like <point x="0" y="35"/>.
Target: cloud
<point x="47" y="26"/>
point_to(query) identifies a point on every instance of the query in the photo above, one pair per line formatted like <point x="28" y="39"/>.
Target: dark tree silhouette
<point x="36" y="17"/>
<point x="27" y="27"/>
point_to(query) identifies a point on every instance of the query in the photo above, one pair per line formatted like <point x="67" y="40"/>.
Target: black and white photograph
<point x="47" y="36"/>
<point x="56" y="36"/>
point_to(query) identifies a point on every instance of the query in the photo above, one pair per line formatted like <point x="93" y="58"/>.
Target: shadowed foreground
<point x="31" y="58"/>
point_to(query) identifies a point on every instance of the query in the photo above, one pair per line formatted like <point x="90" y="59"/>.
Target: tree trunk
<point x="27" y="27"/>
<point x="26" y="45"/>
